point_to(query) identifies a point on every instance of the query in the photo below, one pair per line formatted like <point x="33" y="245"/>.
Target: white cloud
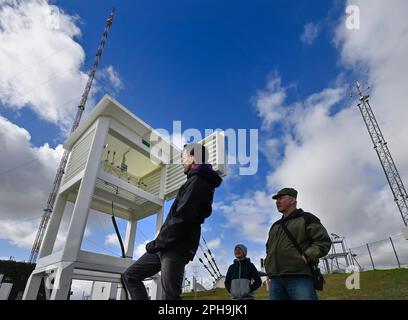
<point x="215" y="243"/>
<point x="140" y="250"/>
<point x="206" y="228"/>
<point x="40" y="69"/>
<point x="114" y="77"/>
<point x="251" y="215"/>
<point x="328" y="155"/>
<point x="26" y="173"/>
<point x="20" y="234"/>
<point x="269" y="101"/>
<point x="41" y="61"/>
<point x="333" y="166"/>
<point x="384" y="61"/>
<point x="111" y="78"/>
<point x="112" y="239"/>
<point x="310" y="33"/>
<point x="329" y="159"/>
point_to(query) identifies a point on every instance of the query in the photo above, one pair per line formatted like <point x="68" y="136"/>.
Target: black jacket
<point x="193" y="204"/>
<point x="242" y="279"/>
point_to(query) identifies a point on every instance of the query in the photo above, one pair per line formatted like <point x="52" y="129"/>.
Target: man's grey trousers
<point x="171" y="265"/>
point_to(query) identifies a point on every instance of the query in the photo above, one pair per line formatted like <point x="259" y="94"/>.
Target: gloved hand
<point x="151" y="247"/>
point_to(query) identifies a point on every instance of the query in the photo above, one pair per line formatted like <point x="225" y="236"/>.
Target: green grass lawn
<point x="377" y="284"/>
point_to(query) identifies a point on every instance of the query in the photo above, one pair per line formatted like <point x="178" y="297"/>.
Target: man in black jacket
<point x="179" y="237"/>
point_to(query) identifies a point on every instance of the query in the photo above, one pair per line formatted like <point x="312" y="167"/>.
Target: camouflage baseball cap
<point x="286" y="192"/>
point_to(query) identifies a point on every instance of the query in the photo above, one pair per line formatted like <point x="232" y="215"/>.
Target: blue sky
<point x="202" y="62"/>
<point x="202" y="55"/>
<point x="208" y="64"/>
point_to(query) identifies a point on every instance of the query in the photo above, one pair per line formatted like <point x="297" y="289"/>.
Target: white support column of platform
<point x="156" y="293"/>
<point x="130" y="238"/>
<point x="160" y="213"/>
<point x="47" y="293"/>
<point x="34" y="281"/>
<point x="159" y="220"/>
<point x="156" y="288"/>
<point x="53" y="227"/>
<point x="32" y="287"/>
<point x="83" y="202"/>
<point x="62" y="281"/>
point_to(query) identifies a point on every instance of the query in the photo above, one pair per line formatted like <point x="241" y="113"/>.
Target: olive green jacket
<point x="282" y="258"/>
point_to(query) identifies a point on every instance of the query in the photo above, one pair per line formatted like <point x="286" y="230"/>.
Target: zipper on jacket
<point x="239" y="279"/>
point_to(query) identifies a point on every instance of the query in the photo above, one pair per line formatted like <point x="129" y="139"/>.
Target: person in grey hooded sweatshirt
<point x="242" y="278"/>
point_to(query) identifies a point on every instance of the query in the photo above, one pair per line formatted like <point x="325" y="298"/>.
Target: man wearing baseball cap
<point x="295" y="242"/>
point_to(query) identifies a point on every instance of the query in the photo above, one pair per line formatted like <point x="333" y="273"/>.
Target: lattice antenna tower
<point x="60" y="172"/>
<point x="380" y="145"/>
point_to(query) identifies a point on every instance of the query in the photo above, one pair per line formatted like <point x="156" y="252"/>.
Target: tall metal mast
<point x="387" y="163"/>
<point x="60" y="172"/>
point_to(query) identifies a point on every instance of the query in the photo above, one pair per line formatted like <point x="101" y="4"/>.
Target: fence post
<point x="355" y="260"/>
<point x="351" y="257"/>
<point x="369" y="252"/>
<point x="392" y="243"/>
<point x="326" y="261"/>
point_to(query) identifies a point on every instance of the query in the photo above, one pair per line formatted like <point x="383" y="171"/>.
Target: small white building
<point x="220" y="283"/>
<point x="104" y="291"/>
<point x="117" y="165"/>
<point x="5" y="288"/>
<point x="197" y="286"/>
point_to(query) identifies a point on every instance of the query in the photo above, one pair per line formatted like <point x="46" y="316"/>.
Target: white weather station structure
<point x="115" y="164"/>
<point x="111" y="168"/>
